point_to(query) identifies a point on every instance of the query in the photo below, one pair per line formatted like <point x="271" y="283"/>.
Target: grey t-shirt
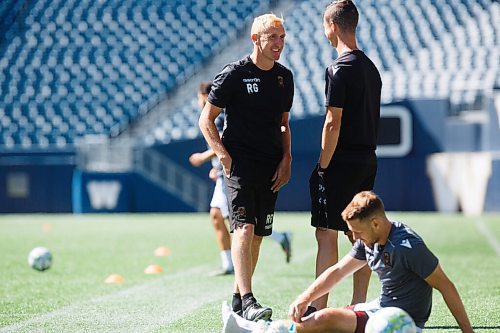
<point x="402" y="264"/>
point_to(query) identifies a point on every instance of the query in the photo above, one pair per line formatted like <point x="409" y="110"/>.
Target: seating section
<point x="70" y="68"/>
<point x="423" y="49"/>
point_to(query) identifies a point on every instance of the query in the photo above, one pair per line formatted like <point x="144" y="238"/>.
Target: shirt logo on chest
<point x="387" y="259"/>
<point x="252" y="85"/>
<point x="281" y="82"/>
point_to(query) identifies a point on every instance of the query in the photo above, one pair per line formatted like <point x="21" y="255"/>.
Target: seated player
<point x="407" y="269"/>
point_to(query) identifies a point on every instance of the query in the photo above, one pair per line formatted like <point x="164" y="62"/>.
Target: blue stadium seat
<point x="120" y="53"/>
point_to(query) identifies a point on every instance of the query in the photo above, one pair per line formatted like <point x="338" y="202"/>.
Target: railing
<point x="100" y="154"/>
<point x="172" y="178"/>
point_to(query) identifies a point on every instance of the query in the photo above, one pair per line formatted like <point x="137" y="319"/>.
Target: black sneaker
<point x="256" y="312"/>
<point x="310" y="310"/>
<point x="286" y="246"/>
<point x="238" y="310"/>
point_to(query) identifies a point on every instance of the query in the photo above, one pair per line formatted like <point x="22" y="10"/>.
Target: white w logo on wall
<point x="104" y="194"/>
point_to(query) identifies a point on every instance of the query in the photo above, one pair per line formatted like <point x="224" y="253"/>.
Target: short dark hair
<point x="363" y="205"/>
<point x="344" y="13"/>
<point x="205" y="87"/>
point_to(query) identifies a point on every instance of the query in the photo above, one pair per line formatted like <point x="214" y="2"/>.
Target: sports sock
<point x="227" y="262"/>
<point x="247" y="300"/>
<point x="236" y="303"/>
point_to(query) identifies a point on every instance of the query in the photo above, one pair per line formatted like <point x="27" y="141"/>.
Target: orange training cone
<point x="153" y="269"/>
<point x="162" y="251"/>
<point x="114" y="278"/>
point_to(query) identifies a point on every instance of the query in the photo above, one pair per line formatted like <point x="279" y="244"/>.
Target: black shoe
<point x="310" y="310"/>
<point x="286" y="246"/>
<point x="222" y="272"/>
<point x="256" y="312"/>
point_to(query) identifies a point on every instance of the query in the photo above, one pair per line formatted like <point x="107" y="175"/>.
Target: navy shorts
<point x="249" y="194"/>
<point x="348" y="174"/>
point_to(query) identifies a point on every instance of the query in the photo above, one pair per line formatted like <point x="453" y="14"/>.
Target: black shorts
<point x="249" y="194"/>
<point x="348" y="174"/>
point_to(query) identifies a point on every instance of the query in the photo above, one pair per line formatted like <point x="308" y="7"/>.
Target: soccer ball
<point x="40" y="258"/>
<point x="279" y="326"/>
<point x="390" y="320"/>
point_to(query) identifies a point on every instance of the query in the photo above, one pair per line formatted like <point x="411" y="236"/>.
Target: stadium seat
<point x="98" y="54"/>
<point x="93" y="67"/>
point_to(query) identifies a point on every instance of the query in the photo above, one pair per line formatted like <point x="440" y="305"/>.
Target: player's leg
<point x="326" y="256"/>
<point x="326" y="238"/>
<point x="242" y="217"/>
<point x="265" y="201"/>
<point x="223" y="240"/>
<point x="284" y="239"/>
<point x="333" y="320"/>
<point x="218" y="212"/>
<point x="241" y="251"/>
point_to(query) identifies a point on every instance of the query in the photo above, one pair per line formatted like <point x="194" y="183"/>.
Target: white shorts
<point x="219" y="198"/>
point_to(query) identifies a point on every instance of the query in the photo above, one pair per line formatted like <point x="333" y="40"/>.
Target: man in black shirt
<point x="256" y="93"/>
<point x="347" y="162"/>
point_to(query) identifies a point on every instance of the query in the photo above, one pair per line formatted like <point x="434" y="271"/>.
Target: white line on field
<point x="142" y="308"/>
<point x="483" y="229"/>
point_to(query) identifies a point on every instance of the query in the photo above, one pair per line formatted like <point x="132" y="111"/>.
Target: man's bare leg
<point x="327" y="255"/>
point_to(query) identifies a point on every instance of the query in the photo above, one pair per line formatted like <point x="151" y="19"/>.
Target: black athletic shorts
<point x="249" y="194"/>
<point x="348" y="174"/>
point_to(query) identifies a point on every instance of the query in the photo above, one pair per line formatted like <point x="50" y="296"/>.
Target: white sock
<point x="277" y="236"/>
<point x="227" y="262"/>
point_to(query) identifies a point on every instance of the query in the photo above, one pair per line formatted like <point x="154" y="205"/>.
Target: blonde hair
<point x="263" y="22"/>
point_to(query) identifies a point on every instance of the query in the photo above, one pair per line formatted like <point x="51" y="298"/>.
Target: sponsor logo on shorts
<point x="269" y="221"/>
<point x="240" y="214"/>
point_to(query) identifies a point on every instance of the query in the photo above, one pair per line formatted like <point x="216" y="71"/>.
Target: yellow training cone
<point x="153" y="269"/>
<point x="114" y="278"/>
<point x="162" y="251"/>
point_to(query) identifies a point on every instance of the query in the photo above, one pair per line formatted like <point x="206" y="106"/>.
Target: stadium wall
<point x="36" y="182"/>
<point x="423" y="166"/>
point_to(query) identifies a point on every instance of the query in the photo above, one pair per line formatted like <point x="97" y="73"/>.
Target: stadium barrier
<point x="413" y="175"/>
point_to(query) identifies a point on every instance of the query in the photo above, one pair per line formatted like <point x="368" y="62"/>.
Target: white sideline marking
<point x="483" y="229"/>
<point x="142" y="308"/>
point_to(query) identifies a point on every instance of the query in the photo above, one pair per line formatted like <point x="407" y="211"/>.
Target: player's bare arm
<point x="209" y="130"/>
<point x="198" y="159"/>
<point x="323" y="284"/>
<point x="330" y="135"/>
<point x="283" y="172"/>
<point x="443" y="284"/>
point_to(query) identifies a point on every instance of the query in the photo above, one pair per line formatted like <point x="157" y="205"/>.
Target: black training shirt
<point x="254" y="101"/>
<point x="353" y="83"/>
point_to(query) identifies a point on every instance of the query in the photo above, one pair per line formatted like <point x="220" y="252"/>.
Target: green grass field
<point x="72" y="295"/>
